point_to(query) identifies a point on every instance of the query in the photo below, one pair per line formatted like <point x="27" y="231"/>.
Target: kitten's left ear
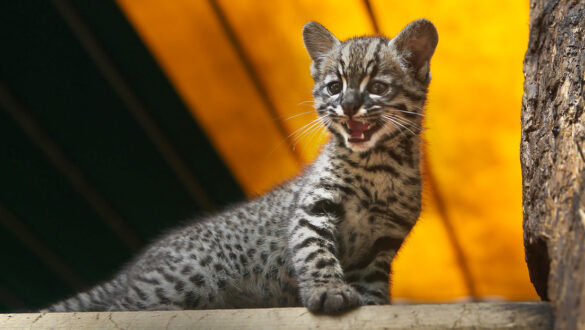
<point x="318" y="40"/>
<point x="417" y="43"/>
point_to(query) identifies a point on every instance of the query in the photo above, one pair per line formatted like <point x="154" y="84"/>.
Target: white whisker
<point x="384" y="120"/>
<point x="312" y="127"/>
<point x="303" y="127"/>
<point x="320" y="128"/>
<point x="393" y="120"/>
<point x="407" y="122"/>
<point x="298" y="115"/>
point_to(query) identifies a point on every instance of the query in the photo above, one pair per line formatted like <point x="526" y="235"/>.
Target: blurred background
<point x="119" y="119"/>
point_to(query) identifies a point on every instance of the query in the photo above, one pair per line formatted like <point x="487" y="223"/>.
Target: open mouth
<point x="360" y="131"/>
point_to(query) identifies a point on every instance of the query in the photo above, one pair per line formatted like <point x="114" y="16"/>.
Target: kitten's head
<point x="369" y="87"/>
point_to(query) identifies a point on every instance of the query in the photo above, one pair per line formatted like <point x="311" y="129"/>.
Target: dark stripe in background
<point x="84" y="180"/>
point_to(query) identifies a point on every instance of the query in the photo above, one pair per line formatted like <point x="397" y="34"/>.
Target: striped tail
<point x="100" y="298"/>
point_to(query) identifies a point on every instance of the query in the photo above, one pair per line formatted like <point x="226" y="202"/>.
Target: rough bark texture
<point x="552" y="155"/>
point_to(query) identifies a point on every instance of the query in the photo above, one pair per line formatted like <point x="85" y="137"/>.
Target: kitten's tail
<point x="99" y="298"/>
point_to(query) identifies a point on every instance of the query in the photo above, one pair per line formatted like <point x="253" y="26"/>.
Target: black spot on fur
<point x="170" y="278"/>
<point x="179" y="286"/>
<point x="160" y="294"/>
<point x="306" y="242"/>
<point x="186" y="270"/>
<point x="322" y="263"/>
<point x="383" y="168"/>
<point x="205" y="261"/>
<point x="191" y="300"/>
<point x="323" y="232"/>
<point x="257" y="269"/>
<point x="313" y="254"/>
<point x="197" y="279"/>
<point x="251" y="253"/>
<point x="243" y="259"/>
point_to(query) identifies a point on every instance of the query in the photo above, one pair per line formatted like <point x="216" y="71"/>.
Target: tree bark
<point x="552" y="156"/>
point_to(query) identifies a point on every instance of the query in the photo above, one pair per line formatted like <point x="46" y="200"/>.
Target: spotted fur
<point x="326" y="238"/>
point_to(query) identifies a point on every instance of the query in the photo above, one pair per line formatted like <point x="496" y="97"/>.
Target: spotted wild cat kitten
<point x="324" y="239"/>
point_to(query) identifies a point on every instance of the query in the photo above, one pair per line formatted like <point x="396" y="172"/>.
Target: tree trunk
<point x="552" y="156"/>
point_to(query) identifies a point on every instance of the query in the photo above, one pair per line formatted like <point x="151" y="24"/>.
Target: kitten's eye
<point x="378" y="88"/>
<point x="334" y="87"/>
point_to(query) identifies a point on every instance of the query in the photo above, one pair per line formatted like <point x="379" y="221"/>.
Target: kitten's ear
<point x="417" y="43"/>
<point x="318" y="40"/>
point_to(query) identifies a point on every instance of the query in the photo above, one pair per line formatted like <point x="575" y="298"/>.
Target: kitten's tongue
<point x="357" y="128"/>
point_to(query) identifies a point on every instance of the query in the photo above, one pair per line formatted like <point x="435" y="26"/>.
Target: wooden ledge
<point x="529" y="315"/>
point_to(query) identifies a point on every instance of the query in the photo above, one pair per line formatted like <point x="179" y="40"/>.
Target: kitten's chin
<point x="360" y="146"/>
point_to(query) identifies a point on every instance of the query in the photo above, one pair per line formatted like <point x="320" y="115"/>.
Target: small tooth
<point x="362" y="136"/>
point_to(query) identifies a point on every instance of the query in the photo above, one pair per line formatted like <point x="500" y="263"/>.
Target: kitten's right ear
<point x="318" y="40"/>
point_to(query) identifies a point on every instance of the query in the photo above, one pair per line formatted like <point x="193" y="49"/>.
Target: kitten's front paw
<point x="331" y="299"/>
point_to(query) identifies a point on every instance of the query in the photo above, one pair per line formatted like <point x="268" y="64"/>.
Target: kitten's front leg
<point x="314" y="253"/>
<point x="372" y="281"/>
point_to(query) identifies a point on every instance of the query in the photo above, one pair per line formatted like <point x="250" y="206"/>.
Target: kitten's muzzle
<point x="360" y="131"/>
<point x="351" y="102"/>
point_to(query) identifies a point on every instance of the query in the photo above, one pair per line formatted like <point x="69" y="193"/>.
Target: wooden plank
<point x="193" y="50"/>
<point x="473" y="134"/>
<point x="452" y="316"/>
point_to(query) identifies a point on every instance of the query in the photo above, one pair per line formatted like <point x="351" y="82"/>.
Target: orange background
<point x="242" y="69"/>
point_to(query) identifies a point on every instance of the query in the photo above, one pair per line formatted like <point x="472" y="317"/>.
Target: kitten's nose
<point x="351" y="103"/>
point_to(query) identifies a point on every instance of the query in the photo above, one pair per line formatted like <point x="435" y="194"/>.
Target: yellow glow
<point x="189" y="44"/>
<point x="473" y="136"/>
<point x="473" y="117"/>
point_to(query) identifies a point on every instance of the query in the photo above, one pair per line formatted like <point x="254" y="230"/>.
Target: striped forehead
<point x="358" y="57"/>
